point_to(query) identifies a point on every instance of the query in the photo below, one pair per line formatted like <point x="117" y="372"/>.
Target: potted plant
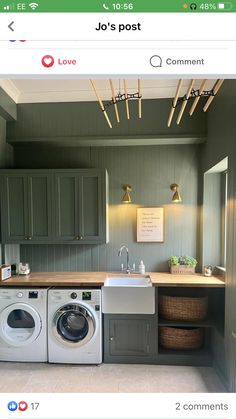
<point x="182" y="265"/>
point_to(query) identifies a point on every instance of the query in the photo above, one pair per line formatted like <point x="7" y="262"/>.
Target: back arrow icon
<point x="10" y="26"/>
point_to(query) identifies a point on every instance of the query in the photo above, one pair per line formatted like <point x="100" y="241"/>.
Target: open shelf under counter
<point x="210" y="321"/>
<point x="198" y="357"/>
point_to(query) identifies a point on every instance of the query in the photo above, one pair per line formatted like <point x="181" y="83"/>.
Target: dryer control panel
<point x="86" y="295"/>
<point x="33" y="294"/>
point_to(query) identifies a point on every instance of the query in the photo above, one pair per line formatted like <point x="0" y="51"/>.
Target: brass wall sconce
<point x="126" y="198"/>
<point x="176" y="197"/>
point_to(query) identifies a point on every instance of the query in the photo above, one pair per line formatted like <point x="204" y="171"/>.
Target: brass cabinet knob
<point x="26" y="238"/>
<point x="81" y="237"/>
<point x="111" y="338"/>
<point x="77" y="238"/>
<point x="29" y="238"/>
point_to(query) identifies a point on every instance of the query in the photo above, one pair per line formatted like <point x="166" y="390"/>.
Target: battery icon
<point x="225" y="6"/>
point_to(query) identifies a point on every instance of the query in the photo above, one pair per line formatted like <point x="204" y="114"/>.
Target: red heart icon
<point x="22" y="406"/>
<point x="47" y="61"/>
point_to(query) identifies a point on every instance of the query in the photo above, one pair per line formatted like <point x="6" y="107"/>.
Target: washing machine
<point x="74" y="326"/>
<point x="23" y="324"/>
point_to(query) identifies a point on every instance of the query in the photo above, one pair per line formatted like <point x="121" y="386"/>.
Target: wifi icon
<point x="33" y="6"/>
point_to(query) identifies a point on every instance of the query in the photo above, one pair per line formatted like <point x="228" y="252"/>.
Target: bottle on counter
<point x="141" y="267"/>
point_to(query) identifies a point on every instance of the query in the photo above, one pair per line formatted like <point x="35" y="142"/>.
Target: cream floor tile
<point x="36" y="377"/>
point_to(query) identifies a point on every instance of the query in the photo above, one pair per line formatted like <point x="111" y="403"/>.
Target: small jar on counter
<point x="23" y="268"/>
<point x="208" y="269"/>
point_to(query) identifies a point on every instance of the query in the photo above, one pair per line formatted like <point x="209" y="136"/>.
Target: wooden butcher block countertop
<point x="73" y="279"/>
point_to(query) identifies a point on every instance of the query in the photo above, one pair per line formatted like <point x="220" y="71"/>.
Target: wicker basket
<point x="188" y="309"/>
<point x="179" y="338"/>
<point x="182" y="270"/>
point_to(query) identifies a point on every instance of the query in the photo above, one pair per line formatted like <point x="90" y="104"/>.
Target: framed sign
<point x="150" y="224"/>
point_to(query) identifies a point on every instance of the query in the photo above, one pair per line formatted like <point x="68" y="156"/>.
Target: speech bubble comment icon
<point x="156" y="61"/>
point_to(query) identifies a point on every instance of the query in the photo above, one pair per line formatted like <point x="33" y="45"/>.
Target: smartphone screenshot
<point x="117" y="209"/>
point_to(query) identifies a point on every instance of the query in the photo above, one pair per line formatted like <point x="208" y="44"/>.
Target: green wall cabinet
<point x="26" y="207"/>
<point x="80" y="206"/>
<point x="51" y="206"/>
<point x="130" y="338"/>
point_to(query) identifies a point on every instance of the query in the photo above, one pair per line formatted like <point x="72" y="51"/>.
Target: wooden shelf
<point x="208" y="322"/>
<point x="198" y="357"/>
<point x="177" y="352"/>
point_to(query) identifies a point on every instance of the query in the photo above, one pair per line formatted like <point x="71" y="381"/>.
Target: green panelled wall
<point x="79" y="123"/>
<point x="221" y="142"/>
<point x="6" y="155"/>
<point x="150" y="170"/>
<point x="6" y="151"/>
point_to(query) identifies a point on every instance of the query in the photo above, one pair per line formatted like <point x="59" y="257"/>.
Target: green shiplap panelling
<point x="220" y="143"/>
<point x="6" y="160"/>
<point x="51" y="158"/>
<point x="8" y="108"/>
<point x="70" y="122"/>
<point x="150" y="171"/>
<point x="6" y="150"/>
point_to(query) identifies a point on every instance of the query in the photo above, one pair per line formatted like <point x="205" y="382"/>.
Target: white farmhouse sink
<point x="128" y="281"/>
<point x="128" y="295"/>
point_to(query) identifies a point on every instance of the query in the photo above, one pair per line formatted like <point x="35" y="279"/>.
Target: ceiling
<point x="80" y="90"/>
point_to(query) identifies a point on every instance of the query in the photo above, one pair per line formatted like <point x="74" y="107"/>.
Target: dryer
<point x="23" y="324"/>
<point x="74" y="326"/>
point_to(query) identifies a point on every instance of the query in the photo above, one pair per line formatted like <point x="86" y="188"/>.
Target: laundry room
<point x="117" y="235"/>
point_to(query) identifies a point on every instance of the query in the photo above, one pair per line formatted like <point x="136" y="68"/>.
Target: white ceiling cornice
<point x="10" y="88"/>
<point x="79" y="90"/>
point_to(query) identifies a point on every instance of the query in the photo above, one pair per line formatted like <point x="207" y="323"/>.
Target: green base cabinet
<point x="130" y="338"/>
<point x="133" y="338"/>
<point x="26" y="207"/>
<point x="54" y="206"/>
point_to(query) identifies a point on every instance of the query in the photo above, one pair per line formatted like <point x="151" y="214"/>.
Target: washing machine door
<point x="74" y="325"/>
<point x="20" y="325"/>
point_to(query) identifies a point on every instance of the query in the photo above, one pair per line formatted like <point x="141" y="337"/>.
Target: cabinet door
<point x="14" y="208"/>
<point x="90" y="206"/>
<point x="40" y="209"/>
<point x="129" y="338"/>
<point x="80" y="206"/>
<point x="66" y="207"/>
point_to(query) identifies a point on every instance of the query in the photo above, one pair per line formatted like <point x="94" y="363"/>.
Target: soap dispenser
<point x="141" y="267"/>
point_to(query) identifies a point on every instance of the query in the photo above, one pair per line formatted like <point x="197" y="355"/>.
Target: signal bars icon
<point x="8" y="7"/>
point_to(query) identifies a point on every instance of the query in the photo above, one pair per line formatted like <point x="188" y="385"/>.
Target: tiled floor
<point x="27" y="378"/>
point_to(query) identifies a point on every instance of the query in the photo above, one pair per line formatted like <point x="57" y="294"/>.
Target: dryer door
<point x="20" y="325"/>
<point x="74" y="325"/>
